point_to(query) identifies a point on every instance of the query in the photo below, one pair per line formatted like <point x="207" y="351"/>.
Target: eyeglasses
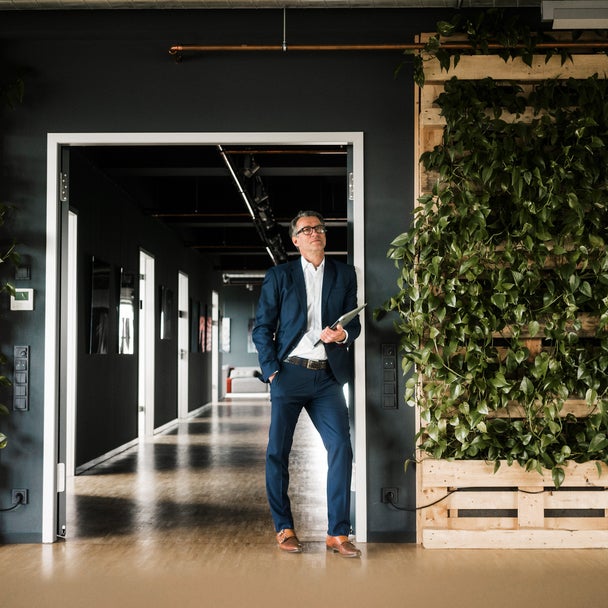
<point x="308" y="230"/>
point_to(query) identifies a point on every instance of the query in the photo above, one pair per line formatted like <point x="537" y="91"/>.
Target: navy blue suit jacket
<point x="281" y="314"/>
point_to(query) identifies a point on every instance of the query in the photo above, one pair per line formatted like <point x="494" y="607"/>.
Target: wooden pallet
<point x="512" y="508"/>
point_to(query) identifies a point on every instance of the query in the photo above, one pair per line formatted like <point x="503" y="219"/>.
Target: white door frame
<point x="183" y="344"/>
<point x="146" y="369"/>
<point x="53" y="242"/>
<point x="72" y="345"/>
<point x="215" y="345"/>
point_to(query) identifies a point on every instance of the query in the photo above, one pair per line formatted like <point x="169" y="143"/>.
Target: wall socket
<point x="390" y="495"/>
<point x="19" y="496"/>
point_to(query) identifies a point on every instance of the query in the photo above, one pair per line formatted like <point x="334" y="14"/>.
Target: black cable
<point x="15" y="506"/>
<point x="450" y="492"/>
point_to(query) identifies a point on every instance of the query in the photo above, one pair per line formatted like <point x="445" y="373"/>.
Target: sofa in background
<point x="245" y="380"/>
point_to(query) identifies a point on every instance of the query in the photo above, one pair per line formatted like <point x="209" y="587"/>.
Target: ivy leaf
<point x="558" y="475"/>
<point x="598" y="443"/>
<point x="533" y="328"/>
<point x="585" y="289"/>
<point x="526" y="386"/>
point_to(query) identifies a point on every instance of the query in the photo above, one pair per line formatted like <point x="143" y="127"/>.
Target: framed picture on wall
<point x="250" y="345"/>
<point x="166" y="313"/>
<point x="209" y="332"/>
<point x="225" y="334"/>
<point x="202" y="326"/>
<point x="195" y="306"/>
<point x="100" y="307"/>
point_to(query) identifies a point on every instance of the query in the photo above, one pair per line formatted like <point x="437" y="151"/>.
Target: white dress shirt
<point x="313" y="278"/>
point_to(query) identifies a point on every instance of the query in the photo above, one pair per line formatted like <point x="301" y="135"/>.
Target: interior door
<point x="146" y="346"/>
<point x="65" y="339"/>
<point x="183" y="350"/>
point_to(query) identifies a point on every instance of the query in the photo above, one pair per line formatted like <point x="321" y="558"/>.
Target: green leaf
<point x="558" y="475"/>
<point x="598" y="443"/>
<point x="533" y="328"/>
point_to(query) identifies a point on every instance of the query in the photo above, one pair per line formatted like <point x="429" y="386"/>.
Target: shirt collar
<point x="308" y="265"/>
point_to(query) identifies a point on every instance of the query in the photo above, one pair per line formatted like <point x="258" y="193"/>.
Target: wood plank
<point x="483" y="500"/>
<point x="589" y="326"/>
<point x="531" y="508"/>
<point x="435" y="516"/>
<point x="431" y="117"/>
<point x="515" y="539"/>
<point x="477" y="67"/>
<point x="576" y="523"/>
<point x="555" y="499"/>
<point x="577" y="407"/>
<point x="481" y="524"/>
<point x="485" y="524"/>
<point x="477" y="473"/>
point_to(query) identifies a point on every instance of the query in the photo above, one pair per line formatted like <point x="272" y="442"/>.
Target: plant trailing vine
<point x="486" y="32"/>
<point x="510" y="246"/>
<point x="11" y="94"/>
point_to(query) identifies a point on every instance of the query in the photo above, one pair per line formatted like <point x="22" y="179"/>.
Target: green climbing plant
<point x="493" y="31"/>
<point x="11" y="94"/>
<point x="510" y="243"/>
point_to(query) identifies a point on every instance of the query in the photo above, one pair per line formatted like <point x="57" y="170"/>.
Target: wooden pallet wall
<point x="511" y="508"/>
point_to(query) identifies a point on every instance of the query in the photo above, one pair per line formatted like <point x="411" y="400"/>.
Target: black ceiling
<point x="194" y="190"/>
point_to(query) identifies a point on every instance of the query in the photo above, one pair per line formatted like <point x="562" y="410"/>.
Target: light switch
<point x="23" y="299"/>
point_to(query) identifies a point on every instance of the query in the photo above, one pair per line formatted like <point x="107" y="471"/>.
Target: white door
<point x="72" y="345"/>
<point x="146" y="346"/>
<point x="183" y="346"/>
<point x="215" y="346"/>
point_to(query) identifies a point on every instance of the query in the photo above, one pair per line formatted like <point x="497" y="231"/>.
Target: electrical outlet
<point x="390" y="495"/>
<point x="19" y="497"/>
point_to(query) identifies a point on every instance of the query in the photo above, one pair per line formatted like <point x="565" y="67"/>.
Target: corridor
<point x="183" y="521"/>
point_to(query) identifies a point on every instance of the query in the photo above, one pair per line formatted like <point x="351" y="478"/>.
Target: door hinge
<point x="64" y="187"/>
<point x="61" y="477"/>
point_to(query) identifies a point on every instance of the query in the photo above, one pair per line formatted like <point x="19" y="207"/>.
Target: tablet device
<point x="347" y="317"/>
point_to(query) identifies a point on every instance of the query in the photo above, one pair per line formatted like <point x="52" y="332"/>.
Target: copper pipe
<point x="414" y="46"/>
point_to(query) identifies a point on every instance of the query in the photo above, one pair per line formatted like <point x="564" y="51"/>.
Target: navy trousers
<point x="293" y="389"/>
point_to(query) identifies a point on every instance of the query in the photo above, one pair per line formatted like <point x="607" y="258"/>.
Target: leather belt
<point x="308" y="363"/>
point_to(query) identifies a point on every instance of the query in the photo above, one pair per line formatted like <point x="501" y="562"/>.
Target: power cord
<point x="19" y="503"/>
<point x="390" y="501"/>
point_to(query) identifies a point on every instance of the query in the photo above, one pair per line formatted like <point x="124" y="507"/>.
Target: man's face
<point x="311" y="244"/>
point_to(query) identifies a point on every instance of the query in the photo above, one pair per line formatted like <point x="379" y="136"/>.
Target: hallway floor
<point x="183" y="522"/>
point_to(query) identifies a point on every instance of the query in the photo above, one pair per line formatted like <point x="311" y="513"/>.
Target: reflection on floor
<point x="183" y="521"/>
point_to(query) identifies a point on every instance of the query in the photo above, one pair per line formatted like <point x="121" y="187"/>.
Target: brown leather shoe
<point x="341" y="545"/>
<point x="288" y="541"/>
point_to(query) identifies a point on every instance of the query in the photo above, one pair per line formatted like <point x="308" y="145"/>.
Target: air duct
<point x="576" y="14"/>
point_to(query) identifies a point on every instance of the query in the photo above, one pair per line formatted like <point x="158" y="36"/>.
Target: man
<point x="307" y="364"/>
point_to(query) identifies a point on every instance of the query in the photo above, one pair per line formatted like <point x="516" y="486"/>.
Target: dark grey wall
<point x="239" y="304"/>
<point x="89" y="71"/>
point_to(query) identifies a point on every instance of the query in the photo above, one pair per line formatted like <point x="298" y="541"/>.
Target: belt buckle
<point x="311" y="364"/>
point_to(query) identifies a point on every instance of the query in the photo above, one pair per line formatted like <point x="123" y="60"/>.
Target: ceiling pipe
<point x="414" y="46"/>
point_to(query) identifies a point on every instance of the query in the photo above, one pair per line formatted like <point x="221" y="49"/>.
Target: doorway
<point x="55" y="143"/>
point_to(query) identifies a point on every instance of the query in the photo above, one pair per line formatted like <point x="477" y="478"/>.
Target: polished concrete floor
<point x="183" y="522"/>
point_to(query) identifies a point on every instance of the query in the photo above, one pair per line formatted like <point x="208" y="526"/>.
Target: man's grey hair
<point x="294" y="221"/>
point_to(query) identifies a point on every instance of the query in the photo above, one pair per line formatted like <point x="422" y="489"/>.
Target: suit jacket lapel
<point x="329" y="279"/>
<point x="297" y="276"/>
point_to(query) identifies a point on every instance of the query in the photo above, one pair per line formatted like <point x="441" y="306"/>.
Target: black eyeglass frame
<point x="308" y="230"/>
